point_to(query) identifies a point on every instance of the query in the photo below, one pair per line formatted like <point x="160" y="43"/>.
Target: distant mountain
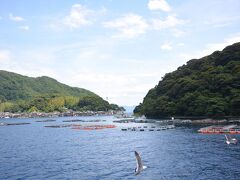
<point x="22" y="93"/>
<point x="209" y="86"/>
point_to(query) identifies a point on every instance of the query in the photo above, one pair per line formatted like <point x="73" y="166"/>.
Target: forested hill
<point x="14" y="87"/>
<point x="209" y="86"/>
<point x="22" y="93"/>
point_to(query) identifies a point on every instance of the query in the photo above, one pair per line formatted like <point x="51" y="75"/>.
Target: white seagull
<point x="230" y="140"/>
<point x="140" y="166"/>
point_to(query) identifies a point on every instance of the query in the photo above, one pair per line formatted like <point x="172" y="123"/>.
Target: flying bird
<point x="230" y="140"/>
<point x="140" y="166"/>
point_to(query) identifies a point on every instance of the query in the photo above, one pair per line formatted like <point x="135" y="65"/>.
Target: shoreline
<point x="6" y="115"/>
<point x="177" y="120"/>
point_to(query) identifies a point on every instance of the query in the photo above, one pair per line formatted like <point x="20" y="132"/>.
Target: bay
<point x="36" y="152"/>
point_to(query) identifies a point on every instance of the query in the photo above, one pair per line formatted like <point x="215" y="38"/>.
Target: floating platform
<point x="80" y="120"/>
<point x="47" y="120"/>
<point x="59" y="126"/>
<point x="92" y="127"/>
<point x="74" y="120"/>
<point x="12" y="124"/>
<point x="150" y="128"/>
<point x="219" y="129"/>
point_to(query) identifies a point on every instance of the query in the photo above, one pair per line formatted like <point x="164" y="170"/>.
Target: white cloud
<point x="166" y="46"/>
<point x="211" y="47"/>
<point x="159" y="5"/>
<point x="180" y="44"/>
<point x="16" y="18"/>
<point x="79" y="16"/>
<point x="187" y="56"/>
<point x="25" y="28"/>
<point x="170" y="22"/>
<point x="129" y="26"/>
<point x="88" y="69"/>
<point x="133" y="25"/>
<point x="111" y="84"/>
<point x="223" y="21"/>
<point x="178" y="33"/>
<point x="36" y="63"/>
<point x="4" y="56"/>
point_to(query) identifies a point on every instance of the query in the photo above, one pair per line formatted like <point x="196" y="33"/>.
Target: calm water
<point x="35" y="152"/>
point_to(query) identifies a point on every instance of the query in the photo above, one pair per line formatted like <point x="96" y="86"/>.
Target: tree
<point x="209" y="86"/>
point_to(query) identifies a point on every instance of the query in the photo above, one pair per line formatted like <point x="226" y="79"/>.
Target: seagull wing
<point x="227" y="138"/>
<point x="139" y="161"/>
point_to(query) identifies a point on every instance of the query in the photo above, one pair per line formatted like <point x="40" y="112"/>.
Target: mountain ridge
<point x="36" y="85"/>
<point x="23" y="93"/>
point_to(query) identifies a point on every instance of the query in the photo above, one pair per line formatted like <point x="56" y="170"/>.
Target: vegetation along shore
<point x="22" y="94"/>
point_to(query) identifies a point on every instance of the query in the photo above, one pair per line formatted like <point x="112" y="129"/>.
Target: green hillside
<point x="22" y="93"/>
<point x="14" y="87"/>
<point x="209" y="86"/>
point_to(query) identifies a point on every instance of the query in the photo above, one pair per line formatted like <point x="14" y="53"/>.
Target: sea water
<point x="36" y="152"/>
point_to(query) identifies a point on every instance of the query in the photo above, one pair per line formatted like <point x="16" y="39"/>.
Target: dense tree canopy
<point x="209" y="86"/>
<point x="43" y="94"/>
<point x="17" y="87"/>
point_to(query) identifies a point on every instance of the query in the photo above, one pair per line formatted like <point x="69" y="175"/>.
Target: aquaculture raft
<point x="229" y="129"/>
<point x="92" y="127"/>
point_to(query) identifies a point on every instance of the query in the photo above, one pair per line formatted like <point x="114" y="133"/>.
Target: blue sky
<point x="116" y="48"/>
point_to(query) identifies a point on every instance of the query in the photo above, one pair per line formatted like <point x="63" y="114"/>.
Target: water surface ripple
<point x="35" y="152"/>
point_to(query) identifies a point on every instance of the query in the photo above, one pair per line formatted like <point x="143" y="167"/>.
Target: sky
<point x="119" y="49"/>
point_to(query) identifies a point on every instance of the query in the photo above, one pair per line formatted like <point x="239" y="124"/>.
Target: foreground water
<point x="35" y="152"/>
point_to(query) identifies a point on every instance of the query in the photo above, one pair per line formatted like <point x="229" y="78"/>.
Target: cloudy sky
<point x="116" y="48"/>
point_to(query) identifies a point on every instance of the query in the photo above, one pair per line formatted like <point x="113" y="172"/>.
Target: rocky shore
<point x="55" y="114"/>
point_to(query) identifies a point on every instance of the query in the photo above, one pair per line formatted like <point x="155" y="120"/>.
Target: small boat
<point x="230" y="140"/>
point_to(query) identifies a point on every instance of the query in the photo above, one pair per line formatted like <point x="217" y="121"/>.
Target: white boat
<point x="230" y="140"/>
